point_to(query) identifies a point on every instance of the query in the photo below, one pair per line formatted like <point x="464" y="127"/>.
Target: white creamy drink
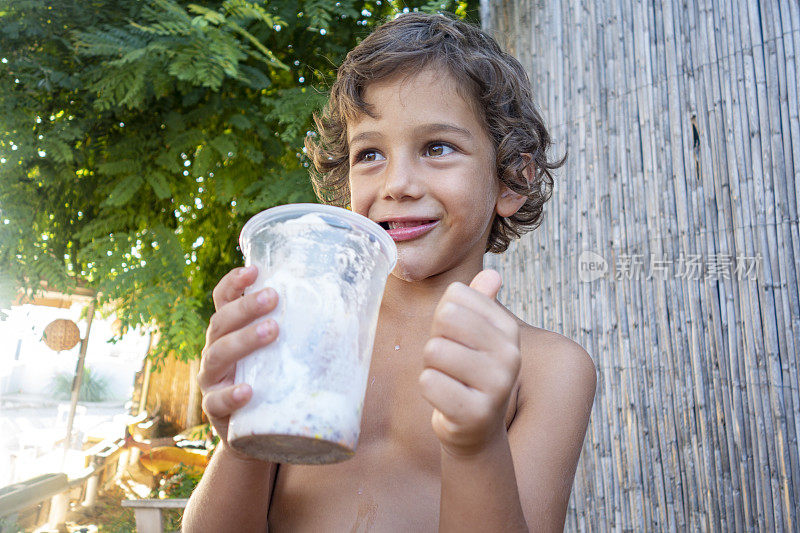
<point x="309" y="385"/>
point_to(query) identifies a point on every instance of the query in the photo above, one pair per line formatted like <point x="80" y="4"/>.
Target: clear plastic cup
<point x="329" y="267"/>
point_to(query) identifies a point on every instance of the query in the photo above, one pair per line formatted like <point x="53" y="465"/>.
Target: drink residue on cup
<point x="311" y="380"/>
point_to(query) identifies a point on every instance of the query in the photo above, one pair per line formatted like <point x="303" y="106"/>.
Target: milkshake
<point x="329" y="267"/>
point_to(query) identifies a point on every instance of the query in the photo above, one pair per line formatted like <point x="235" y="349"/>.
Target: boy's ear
<point x="509" y="201"/>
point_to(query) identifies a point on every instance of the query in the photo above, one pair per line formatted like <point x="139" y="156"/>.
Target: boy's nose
<point x="402" y="180"/>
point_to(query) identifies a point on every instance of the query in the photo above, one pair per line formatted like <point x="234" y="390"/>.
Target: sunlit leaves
<point x="137" y="137"/>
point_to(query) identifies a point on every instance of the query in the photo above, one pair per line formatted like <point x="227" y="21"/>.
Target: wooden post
<point x="148" y="513"/>
<point x="132" y="457"/>
<point x="193" y="409"/>
<point x="58" y="510"/>
<point x="148" y="366"/>
<point x="91" y="491"/>
<point x="76" y="382"/>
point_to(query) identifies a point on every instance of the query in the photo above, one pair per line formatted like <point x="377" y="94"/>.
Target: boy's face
<point x="424" y="159"/>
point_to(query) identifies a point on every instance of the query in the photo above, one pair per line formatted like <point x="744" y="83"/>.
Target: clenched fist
<point x="472" y="361"/>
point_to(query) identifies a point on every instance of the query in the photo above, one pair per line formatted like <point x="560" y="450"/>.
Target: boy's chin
<point x="408" y="275"/>
<point x="410" y="272"/>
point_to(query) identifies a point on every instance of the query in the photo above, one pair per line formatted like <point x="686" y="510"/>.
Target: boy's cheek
<point x="358" y="201"/>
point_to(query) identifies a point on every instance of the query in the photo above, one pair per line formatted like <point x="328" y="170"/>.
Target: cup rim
<point x="288" y="211"/>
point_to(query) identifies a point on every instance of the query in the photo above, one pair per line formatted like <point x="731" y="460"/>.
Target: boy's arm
<point x="494" y="479"/>
<point x="235" y="490"/>
<point x="233" y="495"/>
<point x="545" y="440"/>
<point x="548" y="432"/>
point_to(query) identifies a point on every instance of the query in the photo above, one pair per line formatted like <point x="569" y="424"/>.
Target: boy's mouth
<point x="407" y="228"/>
<point x="395" y="224"/>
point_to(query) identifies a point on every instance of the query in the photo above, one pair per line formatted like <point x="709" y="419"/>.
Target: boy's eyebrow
<point x="444" y="128"/>
<point x="426" y="129"/>
<point x="364" y="136"/>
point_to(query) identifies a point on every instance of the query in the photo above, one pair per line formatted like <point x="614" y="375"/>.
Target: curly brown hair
<point x="490" y="78"/>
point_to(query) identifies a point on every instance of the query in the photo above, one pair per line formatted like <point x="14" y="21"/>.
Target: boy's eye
<point x="368" y="156"/>
<point x="438" y="149"/>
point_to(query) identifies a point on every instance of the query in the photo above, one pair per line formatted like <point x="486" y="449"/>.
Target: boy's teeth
<point x="395" y="225"/>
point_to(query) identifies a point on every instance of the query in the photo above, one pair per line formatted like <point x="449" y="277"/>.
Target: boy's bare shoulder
<point x="554" y="365"/>
<point x="553" y="405"/>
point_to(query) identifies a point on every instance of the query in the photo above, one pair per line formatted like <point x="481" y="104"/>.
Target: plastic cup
<point x="329" y="267"/>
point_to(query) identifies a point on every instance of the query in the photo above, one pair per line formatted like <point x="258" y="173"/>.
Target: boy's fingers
<point x="470" y="367"/>
<point x="464" y="326"/>
<point x="220" y="356"/>
<point x="220" y="403"/>
<point x="477" y="301"/>
<point x="232" y="285"/>
<point x="240" y="312"/>
<point x="487" y="282"/>
<point x="456" y="401"/>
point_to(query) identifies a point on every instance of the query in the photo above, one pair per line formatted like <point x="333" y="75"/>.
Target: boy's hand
<point x="471" y="364"/>
<point x="231" y="335"/>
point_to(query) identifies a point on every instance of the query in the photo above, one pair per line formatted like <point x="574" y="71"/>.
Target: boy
<point x="473" y="420"/>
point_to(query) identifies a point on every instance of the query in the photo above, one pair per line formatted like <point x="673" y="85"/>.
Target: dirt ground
<point x="108" y="515"/>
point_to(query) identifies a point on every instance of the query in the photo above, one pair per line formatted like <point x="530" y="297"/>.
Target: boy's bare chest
<point x="392" y="483"/>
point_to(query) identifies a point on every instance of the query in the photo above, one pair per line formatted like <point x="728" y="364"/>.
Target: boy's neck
<point x="414" y="300"/>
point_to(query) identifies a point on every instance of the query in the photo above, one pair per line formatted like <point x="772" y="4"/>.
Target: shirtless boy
<point x="476" y="422"/>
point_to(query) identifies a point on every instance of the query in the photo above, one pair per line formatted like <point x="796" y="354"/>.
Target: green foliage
<point x="94" y="388"/>
<point x="122" y="521"/>
<point x="9" y="524"/>
<point x="109" y="515"/>
<point x="137" y="137"/>
<point x="179" y="482"/>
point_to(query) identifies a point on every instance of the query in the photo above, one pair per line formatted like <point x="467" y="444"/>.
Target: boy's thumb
<point x="487" y="282"/>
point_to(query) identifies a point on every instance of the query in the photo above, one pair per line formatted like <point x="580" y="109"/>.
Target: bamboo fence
<point x="170" y="390"/>
<point x="683" y="177"/>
